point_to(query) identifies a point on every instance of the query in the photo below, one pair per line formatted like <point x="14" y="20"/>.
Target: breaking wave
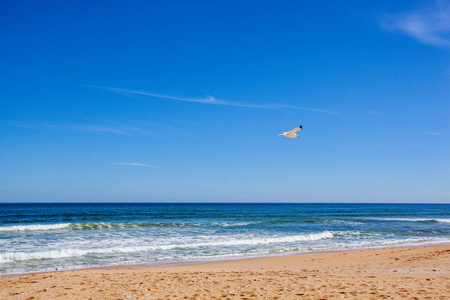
<point x="35" y="227"/>
<point x="105" y="225"/>
<point x="416" y="220"/>
<point x="9" y="257"/>
<point x="343" y="222"/>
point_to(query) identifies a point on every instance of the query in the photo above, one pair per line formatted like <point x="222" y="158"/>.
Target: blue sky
<point x="182" y="101"/>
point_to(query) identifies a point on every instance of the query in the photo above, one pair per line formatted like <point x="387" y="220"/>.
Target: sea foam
<point x="415" y="220"/>
<point x="9" y="257"/>
<point x="107" y="225"/>
<point x="35" y="227"/>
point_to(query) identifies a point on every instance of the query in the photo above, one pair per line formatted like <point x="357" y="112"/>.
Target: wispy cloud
<point x="429" y="25"/>
<point x="136" y="165"/>
<point x="214" y="101"/>
<point x="4" y="187"/>
<point x="97" y="129"/>
<point x="431" y="133"/>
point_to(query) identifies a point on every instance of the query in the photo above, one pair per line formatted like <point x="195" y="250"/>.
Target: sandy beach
<point x="392" y="273"/>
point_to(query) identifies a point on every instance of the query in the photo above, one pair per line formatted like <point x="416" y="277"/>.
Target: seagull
<point x="291" y="134"/>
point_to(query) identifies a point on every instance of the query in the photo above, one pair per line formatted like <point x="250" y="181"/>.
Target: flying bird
<point x="291" y="134"/>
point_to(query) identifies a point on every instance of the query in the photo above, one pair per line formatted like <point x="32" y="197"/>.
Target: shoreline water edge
<point x="388" y="273"/>
<point x="230" y="260"/>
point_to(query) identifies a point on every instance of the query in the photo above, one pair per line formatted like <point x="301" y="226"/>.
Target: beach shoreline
<point x="393" y="272"/>
<point x="239" y="258"/>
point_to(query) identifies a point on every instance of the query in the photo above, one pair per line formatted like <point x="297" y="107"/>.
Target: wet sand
<point x="393" y="273"/>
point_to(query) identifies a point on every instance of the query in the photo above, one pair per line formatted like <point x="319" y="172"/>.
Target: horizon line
<point x="117" y="202"/>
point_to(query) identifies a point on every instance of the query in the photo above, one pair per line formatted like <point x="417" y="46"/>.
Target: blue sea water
<point x="43" y="237"/>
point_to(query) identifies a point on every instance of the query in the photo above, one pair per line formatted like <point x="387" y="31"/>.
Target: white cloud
<point x="429" y="25"/>
<point x="136" y="165"/>
<point x="432" y="133"/>
<point x="98" y="129"/>
<point x="214" y="101"/>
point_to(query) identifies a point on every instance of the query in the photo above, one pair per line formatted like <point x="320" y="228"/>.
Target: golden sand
<point x="397" y="273"/>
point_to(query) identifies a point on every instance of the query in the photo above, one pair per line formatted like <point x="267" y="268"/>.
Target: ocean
<point x="46" y="237"/>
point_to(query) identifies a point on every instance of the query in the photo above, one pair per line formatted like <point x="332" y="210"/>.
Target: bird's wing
<point x="296" y="129"/>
